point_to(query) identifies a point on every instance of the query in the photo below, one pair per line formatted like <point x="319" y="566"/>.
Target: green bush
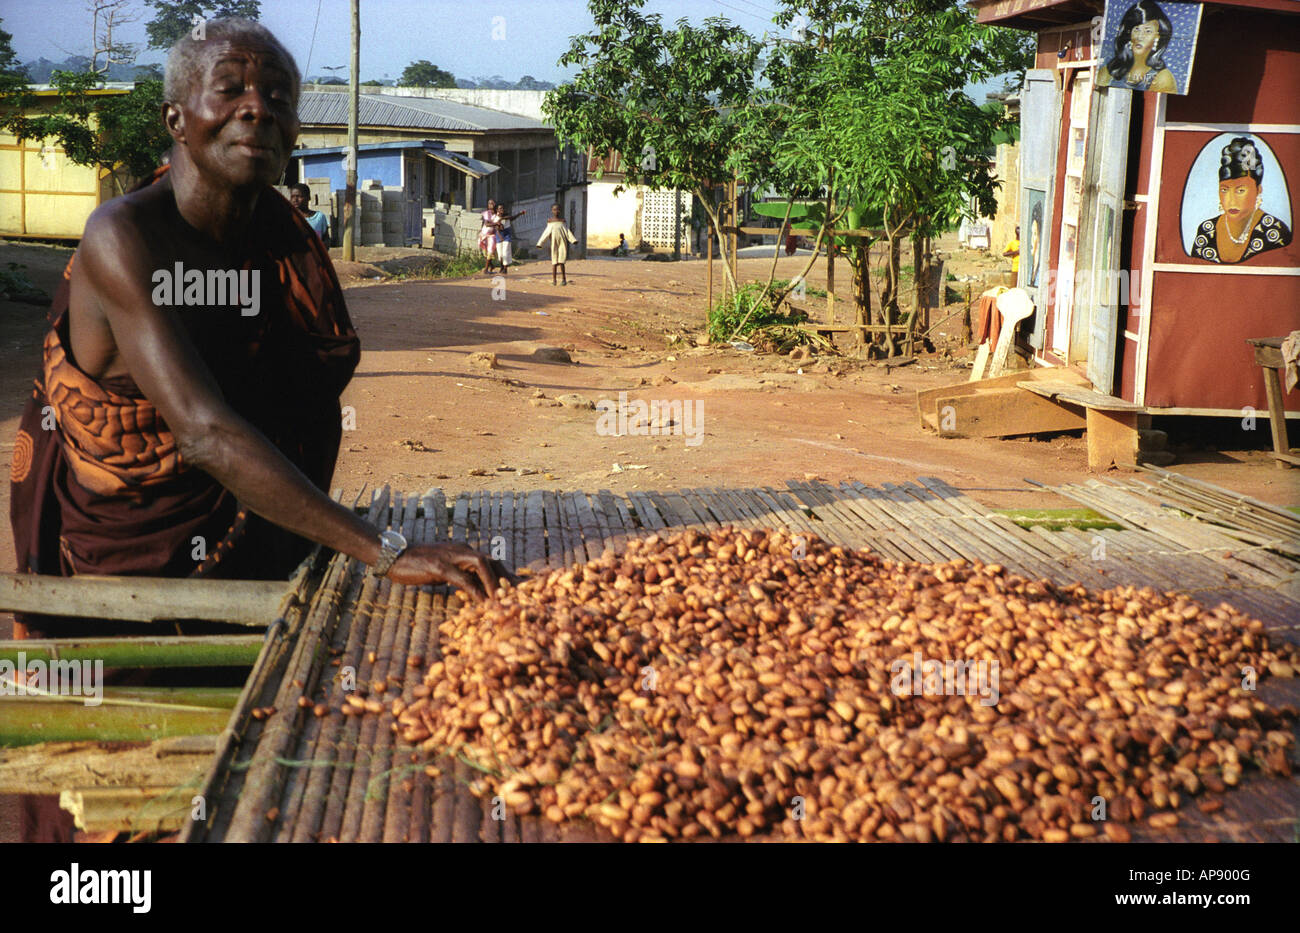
<point x="465" y="263"/>
<point x="740" y="310"/>
<point x="439" y="267"/>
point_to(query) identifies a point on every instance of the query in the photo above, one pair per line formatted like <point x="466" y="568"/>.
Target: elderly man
<point x="186" y="421"/>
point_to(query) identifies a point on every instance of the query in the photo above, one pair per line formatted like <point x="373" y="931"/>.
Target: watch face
<point x="392" y="539"/>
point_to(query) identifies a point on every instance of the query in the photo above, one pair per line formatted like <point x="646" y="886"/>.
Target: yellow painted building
<point x="43" y="193"/>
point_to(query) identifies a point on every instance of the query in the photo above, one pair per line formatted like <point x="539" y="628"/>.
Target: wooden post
<point x="918" y="292"/>
<point x="350" y="193"/>
<point x="1112" y="437"/>
<point x="830" y="280"/>
<point x="966" y="333"/>
<point x="709" y="237"/>
<point x="1277" y="415"/>
<point x="735" y="237"/>
<point x="929" y="272"/>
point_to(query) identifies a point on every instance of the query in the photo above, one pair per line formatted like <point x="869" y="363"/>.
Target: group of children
<point x="496" y="239"/>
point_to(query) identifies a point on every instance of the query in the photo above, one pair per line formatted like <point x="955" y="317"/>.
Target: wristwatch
<point x="392" y="545"/>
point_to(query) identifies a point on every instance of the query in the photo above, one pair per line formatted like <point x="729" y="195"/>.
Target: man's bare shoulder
<point x="131" y="227"/>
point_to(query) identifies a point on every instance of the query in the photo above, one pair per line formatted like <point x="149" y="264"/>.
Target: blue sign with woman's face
<point x="1148" y="45"/>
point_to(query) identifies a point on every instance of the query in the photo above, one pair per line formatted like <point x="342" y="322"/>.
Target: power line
<point x="757" y="7"/>
<point x="737" y="9"/>
<point x="307" y="71"/>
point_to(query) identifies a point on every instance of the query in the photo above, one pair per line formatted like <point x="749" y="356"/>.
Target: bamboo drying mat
<point x="294" y="777"/>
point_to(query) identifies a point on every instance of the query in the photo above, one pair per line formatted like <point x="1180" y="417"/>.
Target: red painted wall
<point x="1077" y="42"/>
<point x="1247" y="71"/>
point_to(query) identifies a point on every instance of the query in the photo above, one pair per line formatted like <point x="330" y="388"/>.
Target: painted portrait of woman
<point x="1137" y="61"/>
<point x="1243" y="228"/>
<point x="1035" y="238"/>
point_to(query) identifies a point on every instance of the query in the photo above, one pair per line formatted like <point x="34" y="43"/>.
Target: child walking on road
<point x="560" y="236"/>
<point x="506" y="236"/>
<point x="488" y="234"/>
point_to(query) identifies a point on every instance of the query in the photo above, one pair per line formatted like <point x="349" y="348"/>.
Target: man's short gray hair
<point x="184" y="59"/>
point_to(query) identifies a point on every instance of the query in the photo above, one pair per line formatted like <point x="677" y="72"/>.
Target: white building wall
<point x="609" y="215"/>
<point x="520" y="103"/>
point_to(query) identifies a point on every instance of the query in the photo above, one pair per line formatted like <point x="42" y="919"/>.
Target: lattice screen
<point x="657" y="209"/>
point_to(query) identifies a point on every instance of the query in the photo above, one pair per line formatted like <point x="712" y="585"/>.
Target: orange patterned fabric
<point x="101" y="488"/>
<point x="21" y="464"/>
<point x="111" y="443"/>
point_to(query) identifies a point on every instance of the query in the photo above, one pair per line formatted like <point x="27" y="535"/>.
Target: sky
<point x="470" y="38"/>
<point x="456" y="35"/>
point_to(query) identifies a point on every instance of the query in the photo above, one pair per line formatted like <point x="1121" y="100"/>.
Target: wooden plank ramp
<point x="298" y="777"/>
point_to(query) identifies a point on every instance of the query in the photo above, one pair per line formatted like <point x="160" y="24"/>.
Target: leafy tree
<point x="9" y="65"/>
<point x="668" y="100"/>
<point x="121" y="133"/>
<point x="424" y="73"/>
<point x="173" y="19"/>
<point x="529" y="83"/>
<point x="865" y="104"/>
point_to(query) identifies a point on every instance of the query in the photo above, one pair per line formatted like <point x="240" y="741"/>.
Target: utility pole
<point x="677" y="224"/>
<point x="350" y="194"/>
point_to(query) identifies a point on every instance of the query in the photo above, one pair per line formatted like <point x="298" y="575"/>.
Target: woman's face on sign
<point x="1143" y="38"/>
<point x="1237" y="196"/>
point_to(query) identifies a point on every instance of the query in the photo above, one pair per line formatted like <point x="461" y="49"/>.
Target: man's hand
<point x="470" y="571"/>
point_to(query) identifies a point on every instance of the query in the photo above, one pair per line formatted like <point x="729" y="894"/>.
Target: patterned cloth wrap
<point x="98" y="482"/>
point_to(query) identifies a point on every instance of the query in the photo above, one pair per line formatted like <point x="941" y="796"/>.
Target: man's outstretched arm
<point x="115" y="269"/>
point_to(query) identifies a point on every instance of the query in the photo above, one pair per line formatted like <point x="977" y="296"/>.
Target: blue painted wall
<point x="383" y="164"/>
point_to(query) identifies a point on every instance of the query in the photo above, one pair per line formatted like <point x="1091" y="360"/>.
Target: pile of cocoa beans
<point x="747" y="683"/>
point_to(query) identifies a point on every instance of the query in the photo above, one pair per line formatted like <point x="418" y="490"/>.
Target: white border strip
<point x="1149" y="249"/>
<point x="1224" y="270"/>
<point x="1234" y="127"/>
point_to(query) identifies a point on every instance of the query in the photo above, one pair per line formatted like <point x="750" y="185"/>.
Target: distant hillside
<point x="39" y="71"/>
<point x="498" y="83"/>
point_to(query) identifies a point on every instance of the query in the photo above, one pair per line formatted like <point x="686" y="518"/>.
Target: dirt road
<point x="421" y="413"/>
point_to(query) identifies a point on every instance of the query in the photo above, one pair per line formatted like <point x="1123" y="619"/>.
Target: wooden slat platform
<point x="1078" y="395"/>
<point x="295" y="777"/>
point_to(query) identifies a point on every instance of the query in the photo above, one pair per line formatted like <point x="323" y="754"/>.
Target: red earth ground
<point x="426" y="416"/>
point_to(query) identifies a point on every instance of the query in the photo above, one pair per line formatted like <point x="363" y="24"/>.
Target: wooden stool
<point x="1268" y="354"/>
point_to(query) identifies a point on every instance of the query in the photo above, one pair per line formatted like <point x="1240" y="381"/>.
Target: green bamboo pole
<point x="32" y="720"/>
<point x="195" y="699"/>
<point x="193" y="651"/>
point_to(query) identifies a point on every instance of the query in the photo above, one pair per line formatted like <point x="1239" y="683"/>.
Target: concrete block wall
<point x="381" y="214"/>
<point x="452" y="229"/>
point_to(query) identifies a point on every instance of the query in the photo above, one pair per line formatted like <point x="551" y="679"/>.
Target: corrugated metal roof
<point x="329" y="108"/>
<point x="434" y="148"/>
<point x="371" y="147"/>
